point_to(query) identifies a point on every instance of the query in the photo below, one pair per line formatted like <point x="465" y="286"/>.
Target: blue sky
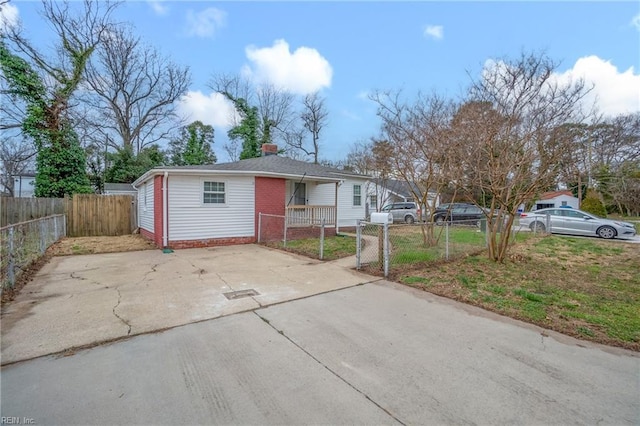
<point x="349" y="49"/>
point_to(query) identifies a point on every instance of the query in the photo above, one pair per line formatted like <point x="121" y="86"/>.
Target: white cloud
<point x="616" y="92"/>
<point x="302" y="71"/>
<point x="363" y="95"/>
<point x="9" y="16"/>
<point x="205" y="23"/>
<point x="636" y="21"/>
<point x="213" y="109"/>
<point x="159" y="7"/>
<point x="434" y="31"/>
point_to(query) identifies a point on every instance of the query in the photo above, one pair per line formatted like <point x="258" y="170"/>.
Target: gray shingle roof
<point x="119" y="187"/>
<point x="274" y="164"/>
<point x="400" y="187"/>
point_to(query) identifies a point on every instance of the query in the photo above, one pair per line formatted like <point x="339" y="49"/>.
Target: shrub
<point x="592" y="204"/>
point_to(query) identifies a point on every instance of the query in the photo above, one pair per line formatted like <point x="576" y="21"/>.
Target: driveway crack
<point x="225" y="281"/>
<point x="281" y="332"/>
<point x="125" y="322"/>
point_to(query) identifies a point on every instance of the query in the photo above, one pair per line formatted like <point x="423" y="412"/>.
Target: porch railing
<point x="310" y="215"/>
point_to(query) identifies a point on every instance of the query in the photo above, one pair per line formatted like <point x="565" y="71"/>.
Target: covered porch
<point x="311" y="203"/>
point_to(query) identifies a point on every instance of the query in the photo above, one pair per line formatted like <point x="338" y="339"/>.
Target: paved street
<point x="376" y="353"/>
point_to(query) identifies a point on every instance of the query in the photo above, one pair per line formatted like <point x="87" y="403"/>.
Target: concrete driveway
<point x="79" y="301"/>
<point x="378" y="353"/>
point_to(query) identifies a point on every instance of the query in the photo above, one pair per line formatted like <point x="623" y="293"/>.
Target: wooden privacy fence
<point x="16" y="210"/>
<point x="88" y="215"/>
<point x="95" y="215"/>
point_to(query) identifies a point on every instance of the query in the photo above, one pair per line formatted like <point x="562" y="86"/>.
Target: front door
<point x="300" y="194"/>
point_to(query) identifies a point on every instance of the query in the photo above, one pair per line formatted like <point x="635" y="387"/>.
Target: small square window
<point x="214" y="193"/>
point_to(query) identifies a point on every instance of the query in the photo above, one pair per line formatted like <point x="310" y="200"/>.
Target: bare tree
<point x="419" y="140"/>
<point x="507" y="134"/>
<point x="360" y="158"/>
<point x="275" y="119"/>
<point x="16" y="157"/>
<point x="314" y="118"/>
<point x="133" y="91"/>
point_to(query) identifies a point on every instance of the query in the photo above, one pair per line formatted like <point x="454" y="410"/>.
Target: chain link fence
<point x="25" y="242"/>
<point x="274" y="230"/>
<point x="387" y="248"/>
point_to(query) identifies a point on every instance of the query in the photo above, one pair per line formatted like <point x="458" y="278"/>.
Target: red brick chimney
<point x="269" y="149"/>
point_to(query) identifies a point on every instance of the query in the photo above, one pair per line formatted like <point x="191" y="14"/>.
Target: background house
<point x="119" y="189"/>
<point x="23" y="185"/>
<point x="196" y="206"/>
<point x="557" y="199"/>
<point x="381" y="192"/>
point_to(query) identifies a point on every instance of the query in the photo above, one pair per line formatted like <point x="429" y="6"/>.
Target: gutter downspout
<point x="165" y="221"/>
<point x="336" y="204"/>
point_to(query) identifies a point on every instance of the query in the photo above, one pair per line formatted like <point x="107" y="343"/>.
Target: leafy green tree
<point x="126" y="167"/>
<point x="194" y="146"/>
<point x="248" y="129"/>
<point x="593" y="204"/>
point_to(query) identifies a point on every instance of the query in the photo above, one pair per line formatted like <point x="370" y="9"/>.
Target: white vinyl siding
<point x="191" y="219"/>
<point x="348" y="214"/>
<point x="145" y="206"/>
<point x="323" y="194"/>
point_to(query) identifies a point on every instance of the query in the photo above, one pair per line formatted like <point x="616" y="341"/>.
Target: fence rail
<point x="23" y="243"/>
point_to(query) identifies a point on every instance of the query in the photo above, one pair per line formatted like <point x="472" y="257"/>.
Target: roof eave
<point x="154" y="172"/>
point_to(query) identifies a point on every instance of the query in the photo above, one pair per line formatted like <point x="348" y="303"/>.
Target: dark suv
<point x="407" y="212"/>
<point x="458" y="212"/>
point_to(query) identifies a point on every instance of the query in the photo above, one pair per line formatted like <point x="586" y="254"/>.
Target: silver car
<point x="576" y="222"/>
<point x="408" y="212"/>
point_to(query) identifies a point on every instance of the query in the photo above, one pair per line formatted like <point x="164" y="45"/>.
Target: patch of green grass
<point x="529" y="296"/>
<point x="335" y="247"/>
<point x="415" y="280"/>
<point x="592" y="292"/>
<point x="414" y="256"/>
<point x="496" y="289"/>
<point x="467" y="282"/>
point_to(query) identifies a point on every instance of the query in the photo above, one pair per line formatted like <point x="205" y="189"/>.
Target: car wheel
<point x="606" y="232"/>
<point x="409" y="219"/>
<point x="537" y="227"/>
<point x="439" y="220"/>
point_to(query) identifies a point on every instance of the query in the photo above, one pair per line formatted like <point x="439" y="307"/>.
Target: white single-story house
<point x="381" y="192"/>
<point x="119" y="189"/>
<point x="557" y="199"/>
<point x="216" y="204"/>
<point x="23" y="185"/>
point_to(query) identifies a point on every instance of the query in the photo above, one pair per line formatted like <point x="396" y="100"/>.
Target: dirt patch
<point x="94" y="245"/>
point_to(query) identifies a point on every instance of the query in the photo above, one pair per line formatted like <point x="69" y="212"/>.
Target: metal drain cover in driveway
<point x="240" y="294"/>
